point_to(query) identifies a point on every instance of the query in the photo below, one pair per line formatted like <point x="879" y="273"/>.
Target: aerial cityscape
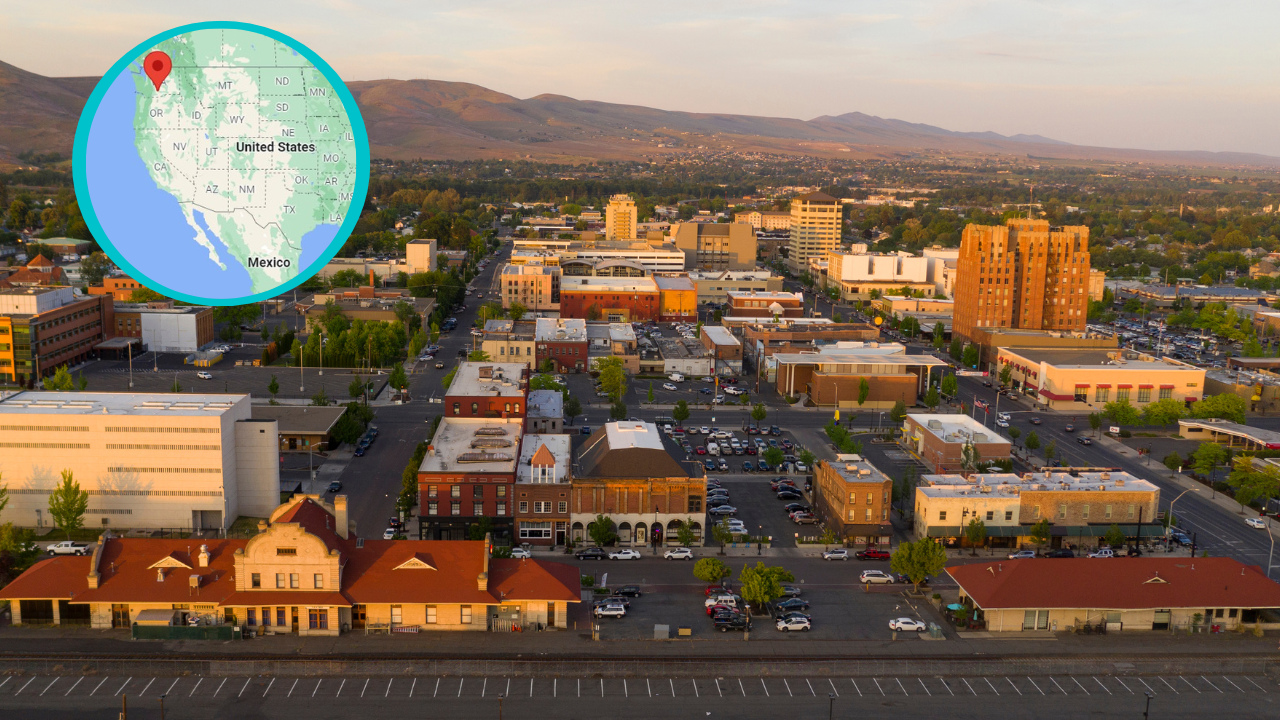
<point x="660" y="401"/>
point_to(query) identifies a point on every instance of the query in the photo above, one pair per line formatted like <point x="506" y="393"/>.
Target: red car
<point x="872" y="554"/>
<point x="717" y="590"/>
<point x="721" y="608"/>
<point x="701" y="450"/>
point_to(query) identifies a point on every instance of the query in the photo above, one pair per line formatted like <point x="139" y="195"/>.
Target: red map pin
<point x="157" y="66"/>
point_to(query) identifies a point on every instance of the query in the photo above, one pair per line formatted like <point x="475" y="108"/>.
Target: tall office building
<point x="620" y="218"/>
<point x="1025" y="275"/>
<point x="44" y="327"/>
<point x="716" y="246"/>
<point x="815" y="229"/>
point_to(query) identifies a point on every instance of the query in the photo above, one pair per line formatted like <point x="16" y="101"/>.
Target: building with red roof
<point x="1144" y="593"/>
<point x="306" y="572"/>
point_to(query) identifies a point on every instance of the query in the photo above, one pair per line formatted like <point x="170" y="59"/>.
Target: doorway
<point x="119" y="616"/>
<point x="1161" y="620"/>
<point x="294" y="624"/>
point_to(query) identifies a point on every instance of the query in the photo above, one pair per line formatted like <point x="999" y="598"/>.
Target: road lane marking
<point x="1104" y="687"/>
<point x="413" y="686"/>
<point x="6" y="681"/>
<point x="806" y="682"/>
<point x="24" y="687"/>
<point x="904" y="690"/>
<point x="602" y="687"/>
<point x="1126" y="687"/>
<point x="46" y="687"/>
<point x="1077" y="682"/>
<point x="246" y="687"/>
<point x="366" y="687"/>
<point x="344" y="684"/>
<point x="579" y="687"/>
<point x="105" y="679"/>
<point x="855" y="686"/>
<point x="833" y="687"/>
<point x="1246" y="677"/>
<point x="1193" y="687"/>
<point x="73" y="687"/>
<point x="175" y="682"/>
<point x="313" y="692"/>
<point x="224" y="682"/>
<point x="673" y="687"/>
<point x="148" y="687"/>
<point x="485" y="686"/>
<point x="193" y="690"/>
<point x="264" y="692"/>
<point x="947" y="685"/>
<point x="1055" y="683"/>
<point x="1034" y="685"/>
<point x="122" y="687"/>
<point x="1166" y="682"/>
<point x="626" y="693"/>
<point x="966" y="684"/>
<point x="695" y="689"/>
<point x="1224" y="677"/>
<point x="784" y="682"/>
<point x="1144" y="682"/>
<point x="1215" y="687"/>
<point x="388" y="692"/>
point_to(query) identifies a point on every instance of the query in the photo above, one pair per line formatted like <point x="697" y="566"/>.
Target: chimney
<point x="482" y="582"/>
<point x="371" y="282"/>
<point x="262" y="526"/>
<point x="193" y="584"/>
<point x="204" y="556"/>
<point x="340" y="515"/>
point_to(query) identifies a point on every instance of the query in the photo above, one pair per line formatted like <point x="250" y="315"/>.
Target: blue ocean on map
<point x="158" y="241"/>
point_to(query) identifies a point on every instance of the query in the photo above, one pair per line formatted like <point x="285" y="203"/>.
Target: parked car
<point x="872" y="554"/>
<point x="203" y="375"/>
<point x="731" y="621"/>
<point x="1062" y="553"/>
<point x="793" y="507"/>
<point x="670" y="386"/>
<point x="906" y="625"/>
<point x="335" y="486"/>
<point x="591" y="553"/>
<point x="68" y="547"/>
<point x="804" y="519"/>
<point x="748" y="466"/>
<point x="627" y="554"/>
<point x="792" y="604"/>
<point x="790" y="495"/>
<point x="520" y="553"/>
<point x="836" y="554"/>
<point x="1103" y="553"/>
<point x="1069" y="428"/>
<point x="793" y="623"/>
<point x="613" y="611"/>
<point x="875" y="577"/>
<point x="723" y="510"/>
<point x="1020" y="554"/>
<point x="682" y="553"/>
<point x="389" y="534"/>
<point x="1255" y="523"/>
<point x="791" y="591"/>
<point x="628" y="591"/>
<point x="1035" y="421"/>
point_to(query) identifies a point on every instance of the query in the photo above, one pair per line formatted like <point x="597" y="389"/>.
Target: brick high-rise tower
<point x="1025" y="274"/>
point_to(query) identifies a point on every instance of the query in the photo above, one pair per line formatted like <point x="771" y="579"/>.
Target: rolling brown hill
<point x="432" y="119"/>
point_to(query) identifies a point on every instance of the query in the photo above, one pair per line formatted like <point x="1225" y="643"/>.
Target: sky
<point x="1150" y="74"/>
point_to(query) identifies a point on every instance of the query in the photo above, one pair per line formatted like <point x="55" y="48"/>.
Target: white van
<point x="675" y="377"/>
<point x="713" y="449"/>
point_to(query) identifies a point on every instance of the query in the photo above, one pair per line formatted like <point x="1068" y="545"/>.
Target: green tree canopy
<point x="976" y="533"/>
<point x="918" y="560"/>
<point x="711" y="570"/>
<point x="1163" y="412"/>
<point x="1251" y="482"/>
<point x="613" y="379"/>
<point x="1114" y="537"/>
<point x="950" y="386"/>
<point x="759" y="412"/>
<point x="602" y="530"/>
<point x="899" y="412"/>
<point x="864" y="391"/>
<point x="68" y="503"/>
<point x="680" y="412"/>
<point x="517" y="310"/>
<point x="762" y="584"/>
<point x="1041" y="532"/>
<point x="572" y="408"/>
<point x="1225" y="406"/>
<point x="1032" y="441"/>
<point x="1121" y="412"/>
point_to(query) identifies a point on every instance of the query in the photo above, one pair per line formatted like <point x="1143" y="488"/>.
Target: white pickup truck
<point x="68" y="547"/>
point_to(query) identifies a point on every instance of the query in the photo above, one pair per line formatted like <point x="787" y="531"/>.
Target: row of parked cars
<point x="362" y="445"/>
<point x="617" y="603"/>
<point x="728" y="611"/>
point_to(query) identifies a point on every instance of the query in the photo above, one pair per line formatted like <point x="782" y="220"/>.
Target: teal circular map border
<point x="358" y="194"/>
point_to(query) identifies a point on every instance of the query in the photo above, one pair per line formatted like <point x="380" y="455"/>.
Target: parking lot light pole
<point x="1147" y="711"/>
<point x="831" y="706"/>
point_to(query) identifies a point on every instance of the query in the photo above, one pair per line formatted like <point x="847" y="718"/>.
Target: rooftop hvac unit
<point x="984" y="488"/>
<point x="935" y="424"/>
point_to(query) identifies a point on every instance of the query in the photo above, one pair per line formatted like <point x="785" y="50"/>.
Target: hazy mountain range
<point x="433" y="119"/>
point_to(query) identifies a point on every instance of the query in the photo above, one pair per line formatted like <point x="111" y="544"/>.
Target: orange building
<point x="1024" y="275"/>
<point x="677" y="298"/>
<point x="120" y="288"/>
<point x="44" y="327"/>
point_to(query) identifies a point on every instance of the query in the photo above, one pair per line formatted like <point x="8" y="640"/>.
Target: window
<point x="466" y="614"/>
<point x="502" y="491"/>
<point x="431" y="614"/>
<point x="1035" y="512"/>
<point x="286" y="551"/>
<point x="942" y="515"/>
<point x="313" y="617"/>
<point x="293" y="580"/>
<point x="1107" y="513"/>
<point x="266" y="616"/>
<point x="1131" y="512"/>
<point x="542" y="506"/>
<point x="318" y="580"/>
<point x="1082" y="394"/>
<point x="869" y="496"/>
<point x="255" y="580"/>
<point x="477" y="509"/>
<point x="455" y="508"/>
<point x="477" y="492"/>
<point x="1101" y="394"/>
<point x="280" y="619"/>
<point x="1062" y="512"/>
<point x="455" y="491"/>
<point x="1144" y="395"/>
<point x="1084" y="511"/>
<point x="517" y="407"/>
<point x="991" y="514"/>
<point x="853" y="498"/>
<point x="431" y="490"/>
<point x="501" y="509"/>
<point x="251" y="616"/>
<point x="475" y="408"/>
<point x="535" y="530"/>
<point x="457" y="408"/>
<point x="397" y="615"/>
<point x="279" y="580"/>
<point x="524" y="507"/>
<point x="506" y="407"/>
<point x="433" y="508"/>
<point x="1166" y="393"/>
<point x="563" y="507"/>
<point x="1008" y="515"/>
<point x="868" y="515"/>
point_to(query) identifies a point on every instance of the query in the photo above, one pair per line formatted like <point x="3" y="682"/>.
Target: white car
<point x="68" y="547"/>
<point x="734" y="391"/>
<point x="1002" y="423"/>
<point x="906" y="624"/>
<point x="521" y="554"/>
<point x="801" y="467"/>
<point x="1255" y="523"/>
<point x="1103" y="553"/>
<point x="204" y="375"/>
<point x="836" y="554"/>
<point x="730" y="600"/>
<point x="627" y="554"/>
<point x="389" y="534"/>
<point x="1020" y="554"/>
<point x="704" y="430"/>
<point x="788" y="624"/>
<point x="613" y="611"/>
<point x="670" y="386"/>
<point x="682" y="553"/>
<point x="875" y="577"/>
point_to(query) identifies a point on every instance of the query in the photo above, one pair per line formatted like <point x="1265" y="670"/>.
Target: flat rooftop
<point x="857" y="469"/>
<point x="667" y="282"/>
<point x="545" y="404"/>
<point x="488" y="379"/>
<point x="731" y="275"/>
<point x="585" y="283"/>
<point x="764" y="295"/>
<point x="300" y="418"/>
<point x="1014" y="484"/>
<point x="720" y="335"/>
<point x="144" y="308"/>
<point x="956" y="428"/>
<point x="559" y="445"/>
<point x="140" y="404"/>
<point x="474" y="445"/>
<point x="1098" y="358"/>
<point x="681" y="348"/>
<point x="561" y="329"/>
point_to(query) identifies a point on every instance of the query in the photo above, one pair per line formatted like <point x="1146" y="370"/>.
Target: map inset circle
<point x="234" y="180"/>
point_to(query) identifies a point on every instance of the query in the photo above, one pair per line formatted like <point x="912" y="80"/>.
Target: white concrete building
<point x="147" y="460"/>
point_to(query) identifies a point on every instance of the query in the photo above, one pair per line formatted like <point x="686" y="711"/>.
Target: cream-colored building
<point x="148" y="460"/>
<point x="620" y="218"/>
<point x="816" y="221"/>
<point x="1080" y="509"/>
<point x="716" y="246"/>
<point x="420" y="255"/>
<point x="510" y="341"/>
<point x="1097" y="284"/>
<point x="714" y="287"/>
<point x="535" y="286"/>
<point x="1078" y="380"/>
<point x="765" y="219"/>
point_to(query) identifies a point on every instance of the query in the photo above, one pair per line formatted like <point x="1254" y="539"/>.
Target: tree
<point x="931" y="398"/>
<point x="67" y="504"/>
<point x="864" y="390"/>
<point x="1040" y="533"/>
<point x="684" y="533"/>
<point x="711" y="570"/>
<point x="720" y="532"/>
<point x="774" y="456"/>
<point x="976" y="533"/>
<point x="1095" y="421"/>
<point x="547" y="366"/>
<point x="939" y="331"/>
<point x="82" y="382"/>
<point x="320" y="399"/>
<point x="618" y="411"/>
<point x="4" y="497"/>
<point x="1006" y="374"/>
<point x="613" y="379"/>
<point x="950" y="386"/>
<point x="970" y="458"/>
<point x="296" y="351"/>
<point x="1114" y="537"/>
<point x="1206" y="459"/>
<point x="1014" y="434"/>
<point x="1051" y="451"/>
<point x="61" y="381"/>
<point x="176" y="387"/>
<point x="478" y="356"/>
<point x="397" y="378"/>
<point x="517" y="310"/>
<point x="1173" y="461"/>
<point x="1163" y="412"/>
<point x="1225" y="406"/>
<point x="1033" y="441"/>
<point x="356" y="387"/>
<point x="602" y="531"/>
<point x="1253" y="483"/>
<point x="971" y="355"/>
<point x="95" y="267"/>
<point x="759" y="412"/>
<point x="918" y="560"/>
<point x="1121" y="412"/>
<point x="956" y="351"/>
<point x="650" y="398"/>
<point x="572" y="408"/>
<point x="681" y="412"/>
<point x="273" y="387"/>
<point x="479" y="529"/>
<point x="899" y="412"/>
<point x="762" y="584"/>
<point x="807" y="458"/>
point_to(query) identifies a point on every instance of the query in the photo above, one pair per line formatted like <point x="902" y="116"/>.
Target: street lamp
<point x="1172" y="517"/>
<point x="831" y="706"/>
<point x="1147" y="711"/>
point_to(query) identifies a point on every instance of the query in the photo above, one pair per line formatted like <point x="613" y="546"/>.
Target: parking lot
<point x="573" y="696"/>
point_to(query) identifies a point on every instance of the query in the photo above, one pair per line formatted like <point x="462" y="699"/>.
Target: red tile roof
<point x="370" y="575"/>
<point x="127" y="575"/>
<point x="1117" y="584"/>
<point x="534" y="580"/>
<point x="40" y="261"/>
<point x="64" y="576"/>
<point x="319" y="522"/>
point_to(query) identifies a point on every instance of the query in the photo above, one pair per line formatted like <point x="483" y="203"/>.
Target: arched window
<point x="475" y="408"/>
<point x="517" y="407"/>
<point x="507" y="407"/>
<point x="457" y="408"/>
